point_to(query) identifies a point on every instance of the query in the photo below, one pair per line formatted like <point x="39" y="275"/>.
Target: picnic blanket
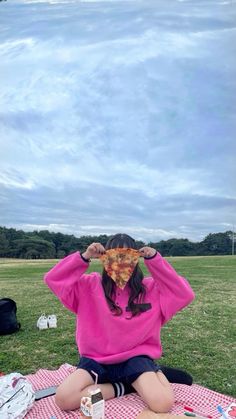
<point x="126" y="407"/>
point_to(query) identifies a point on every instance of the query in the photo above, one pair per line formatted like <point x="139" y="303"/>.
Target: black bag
<point x="8" y="320"/>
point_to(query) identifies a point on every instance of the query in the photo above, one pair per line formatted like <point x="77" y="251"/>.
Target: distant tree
<point x="216" y="244"/>
<point x="4" y="244"/>
<point x="33" y="245"/>
<point x="32" y="254"/>
<point x="60" y="254"/>
<point x="45" y="244"/>
<point x="139" y="244"/>
<point x="182" y="247"/>
<point x="85" y="241"/>
<point x="164" y="246"/>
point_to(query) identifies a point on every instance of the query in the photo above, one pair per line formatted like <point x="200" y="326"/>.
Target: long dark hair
<point x="137" y="289"/>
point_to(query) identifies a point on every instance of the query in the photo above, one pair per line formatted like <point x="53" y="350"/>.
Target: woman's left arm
<point x="175" y="291"/>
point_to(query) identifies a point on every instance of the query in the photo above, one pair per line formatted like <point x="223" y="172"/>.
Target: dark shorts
<point x="125" y="372"/>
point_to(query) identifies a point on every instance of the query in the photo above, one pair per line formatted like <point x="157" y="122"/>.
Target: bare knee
<point x="62" y="399"/>
<point x="66" y="401"/>
<point x="59" y="400"/>
<point x="161" y="406"/>
<point x="70" y="391"/>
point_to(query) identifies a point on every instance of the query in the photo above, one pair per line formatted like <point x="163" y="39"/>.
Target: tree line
<point x="48" y="245"/>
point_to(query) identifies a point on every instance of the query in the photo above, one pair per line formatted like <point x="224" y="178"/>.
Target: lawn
<point x="200" y="339"/>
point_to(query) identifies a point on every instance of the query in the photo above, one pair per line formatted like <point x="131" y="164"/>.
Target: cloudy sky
<point x="118" y="116"/>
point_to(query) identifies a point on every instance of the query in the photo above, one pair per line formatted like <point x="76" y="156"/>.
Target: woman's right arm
<point x="65" y="280"/>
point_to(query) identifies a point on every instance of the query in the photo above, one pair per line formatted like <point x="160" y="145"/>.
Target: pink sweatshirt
<point x="107" y="338"/>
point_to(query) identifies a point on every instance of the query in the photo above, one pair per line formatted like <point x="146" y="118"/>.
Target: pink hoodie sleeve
<point x="175" y="291"/>
<point x="66" y="279"/>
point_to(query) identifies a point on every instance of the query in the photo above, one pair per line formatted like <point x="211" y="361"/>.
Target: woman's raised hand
<point x="94" y="250"/>
<point x="147" y="252"/>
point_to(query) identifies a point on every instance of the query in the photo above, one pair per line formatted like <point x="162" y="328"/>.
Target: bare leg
<point x="155" y="390"/>
<point x="75" y="386"/>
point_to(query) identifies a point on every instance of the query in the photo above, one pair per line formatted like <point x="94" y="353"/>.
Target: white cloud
<point x="11" y="181"/>
<point x="123" y="118"/>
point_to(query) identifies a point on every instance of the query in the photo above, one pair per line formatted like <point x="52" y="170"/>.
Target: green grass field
<point x="200" y="339"/>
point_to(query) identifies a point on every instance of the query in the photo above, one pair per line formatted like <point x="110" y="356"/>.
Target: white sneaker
<point x="42" y="322"/>
<point x="52" y="321"/>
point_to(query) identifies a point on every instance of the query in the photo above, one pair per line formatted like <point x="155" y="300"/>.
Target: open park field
<point x="200" y="339"/>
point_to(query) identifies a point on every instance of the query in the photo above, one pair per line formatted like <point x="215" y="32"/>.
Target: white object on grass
<point x="52" y="321"/>
<point x="42" y="322"/>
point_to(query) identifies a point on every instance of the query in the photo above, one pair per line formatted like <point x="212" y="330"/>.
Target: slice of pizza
<point x="120" y="263"/>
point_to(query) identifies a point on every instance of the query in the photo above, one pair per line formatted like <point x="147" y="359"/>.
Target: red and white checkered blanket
<point x="126" y="407"/>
